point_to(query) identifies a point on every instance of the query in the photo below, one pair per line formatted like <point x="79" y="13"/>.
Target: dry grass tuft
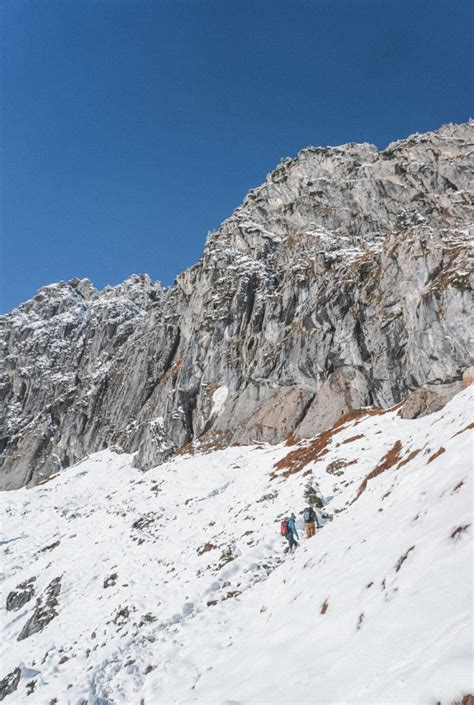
<point x="205" y="548"/>
<point x="310" y="452"/>
<point x="457" y="532"/>
<point x="306" y="452"/>
<point x="466" y="428"/>
<point x="467" y="700"/>
<point x="389" y="459"/>
<point x="217" y="441"/>
<point x="358" y="414"/>
<point x="402" y="559"/>
<point x="439" y="452"/>
<point x="409" y="457"/>
<point x="297" y="459"/>
<point x="50" y="547"/>
<point x="335" y="468"/>
<point x="186" y="449"/>
<point x="353" y="438"/>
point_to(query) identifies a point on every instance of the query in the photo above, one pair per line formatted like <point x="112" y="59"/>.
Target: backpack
<point x="284" y="527"/>
<point x="308" y="514"/>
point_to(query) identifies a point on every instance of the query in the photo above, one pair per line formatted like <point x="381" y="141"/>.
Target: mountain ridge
<point x="342" y="281"/>
<point x="445" y="127"/>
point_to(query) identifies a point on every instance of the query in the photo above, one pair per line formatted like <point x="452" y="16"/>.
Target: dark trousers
<point x="291" y="541"/>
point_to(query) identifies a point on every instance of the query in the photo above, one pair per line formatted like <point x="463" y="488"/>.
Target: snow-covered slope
<point x="172" y="585"/>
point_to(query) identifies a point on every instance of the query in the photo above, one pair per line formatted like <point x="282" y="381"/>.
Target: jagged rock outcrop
<point x="44" y="612"/>
<point x="16" y="599"/>
<point x="57" y="351"/>
<point x="342" y="281"/>
<point x="9" y="684"/>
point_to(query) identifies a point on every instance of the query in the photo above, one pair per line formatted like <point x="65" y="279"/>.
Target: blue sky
<point x="129" y="129"/>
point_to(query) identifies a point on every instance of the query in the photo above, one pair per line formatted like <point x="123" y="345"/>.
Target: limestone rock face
<point x="344" y="390"/>
<point x="342" y="281"/>
<point x="56" y="352"/>
<point x="276" y="417"/>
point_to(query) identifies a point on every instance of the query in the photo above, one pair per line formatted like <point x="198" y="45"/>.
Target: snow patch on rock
<point x="219" y="398"/>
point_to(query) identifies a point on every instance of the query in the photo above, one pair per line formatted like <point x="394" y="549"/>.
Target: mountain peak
<point x="341" y="282"/>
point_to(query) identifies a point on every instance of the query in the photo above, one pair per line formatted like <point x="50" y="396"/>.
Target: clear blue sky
<point x="129" y="129"/>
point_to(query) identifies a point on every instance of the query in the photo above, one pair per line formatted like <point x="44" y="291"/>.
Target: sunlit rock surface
<point x="342" y="281"/>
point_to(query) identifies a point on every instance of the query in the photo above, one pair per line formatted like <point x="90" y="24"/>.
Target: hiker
<point x="288" y="530"/>
<point x="310" y="521"/>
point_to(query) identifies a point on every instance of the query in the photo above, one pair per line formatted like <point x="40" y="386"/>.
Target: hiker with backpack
<point x="310" y="521"/>
<point x="288" y="530"/>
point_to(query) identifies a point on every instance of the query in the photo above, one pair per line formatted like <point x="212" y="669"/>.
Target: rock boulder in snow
<point x="44" y="612"/>
<point x="22" y="594"/>
<point x="9" y="684"/>
<point x="428" y="398"/>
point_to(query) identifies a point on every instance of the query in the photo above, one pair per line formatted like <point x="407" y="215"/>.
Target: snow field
<point x="175" y="587"/>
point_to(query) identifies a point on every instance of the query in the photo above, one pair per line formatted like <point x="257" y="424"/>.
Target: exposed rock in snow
<point x="44" y="612"/>
<point x="343" y="280"/>
<point x="176" y="588"/>
<point x="428" y="398"/>
<point x="22" y="594"/>
<point x="9" y="684"/>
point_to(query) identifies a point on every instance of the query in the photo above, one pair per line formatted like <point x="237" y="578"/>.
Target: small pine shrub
<point x="313" y="496"/>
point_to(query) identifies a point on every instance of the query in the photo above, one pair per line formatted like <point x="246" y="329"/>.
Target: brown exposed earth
<point x="389" y="459"/>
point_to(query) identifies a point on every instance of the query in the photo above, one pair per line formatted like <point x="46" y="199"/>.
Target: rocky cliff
<point x="341" y="282"/>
